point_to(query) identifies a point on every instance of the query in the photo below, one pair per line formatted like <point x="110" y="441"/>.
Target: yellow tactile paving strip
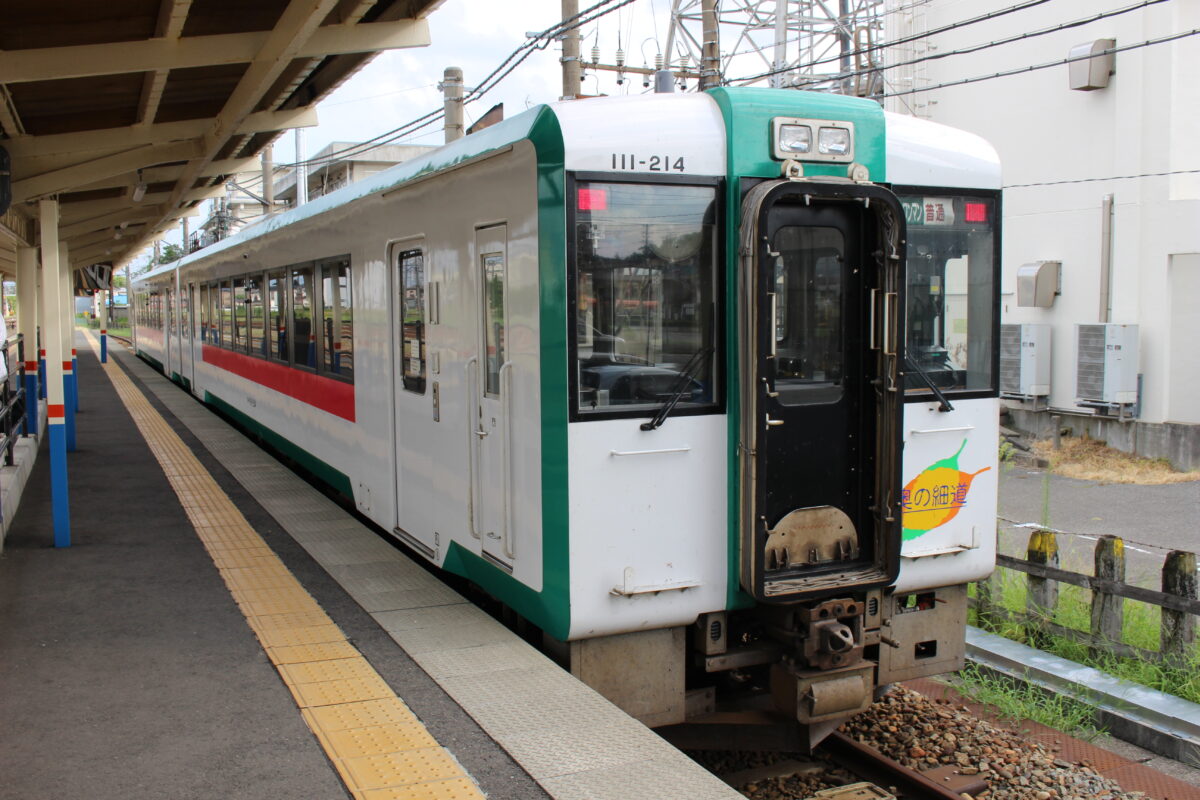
<point x="379" y="747"/>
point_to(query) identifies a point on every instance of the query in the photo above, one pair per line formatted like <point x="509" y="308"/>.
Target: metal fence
<point x="12" y="396"/>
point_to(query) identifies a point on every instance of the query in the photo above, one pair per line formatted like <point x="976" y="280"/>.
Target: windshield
<point x="951" y="292"/>
<point x="643" y="294"/>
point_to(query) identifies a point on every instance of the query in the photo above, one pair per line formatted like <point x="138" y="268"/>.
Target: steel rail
<point x="872" y="765"/>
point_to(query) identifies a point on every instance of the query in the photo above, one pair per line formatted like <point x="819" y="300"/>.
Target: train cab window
<point x="256" y="326"/>
<point x="238" y="339"/>
<point x="226" y="314"/>
<point x="337" y="319"/>
<point x="644" y="297"/>
<point x="808" y="314"/>
<point x="952" y="272"/>
<point x="304" y="340"/>
<point x="410" y="268"/>
<point x="277" y="316"/>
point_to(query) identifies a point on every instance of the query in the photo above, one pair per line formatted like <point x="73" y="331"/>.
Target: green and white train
<point x="698" y="384"/>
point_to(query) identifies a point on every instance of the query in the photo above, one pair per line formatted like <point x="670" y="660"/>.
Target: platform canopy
<point x="132" y="112"/>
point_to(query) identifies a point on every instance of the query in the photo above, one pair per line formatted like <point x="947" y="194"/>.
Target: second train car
<point x="704" y="386"/>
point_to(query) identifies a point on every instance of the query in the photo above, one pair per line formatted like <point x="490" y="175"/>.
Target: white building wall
<point x="1146" y="121"/>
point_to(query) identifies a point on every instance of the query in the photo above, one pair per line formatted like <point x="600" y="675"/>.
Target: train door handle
<point x="481" y="433"/>
<point x="773" y="423"/>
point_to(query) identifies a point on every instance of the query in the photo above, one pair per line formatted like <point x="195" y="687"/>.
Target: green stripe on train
<point x="335" y="479"/>
<point x="748" y="113"/>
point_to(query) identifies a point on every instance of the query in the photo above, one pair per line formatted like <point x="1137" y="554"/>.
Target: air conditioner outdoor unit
<point x="1106" y="366"/>
<point x="1025" y="360"/>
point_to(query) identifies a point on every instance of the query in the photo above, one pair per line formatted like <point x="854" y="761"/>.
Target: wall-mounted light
<point x="139" y="191"/>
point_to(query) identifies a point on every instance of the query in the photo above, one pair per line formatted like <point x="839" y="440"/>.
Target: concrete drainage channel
<point x="1159" y="722"/>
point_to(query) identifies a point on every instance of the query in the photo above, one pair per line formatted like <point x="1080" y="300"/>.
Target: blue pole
<point x="58" y="478"/>
<point x="31" y="397"/>
<point x="69" y="410"/>
<point x="42" y="374"/>
<point x="103" y="347"/>
<point x="74" y="384"/>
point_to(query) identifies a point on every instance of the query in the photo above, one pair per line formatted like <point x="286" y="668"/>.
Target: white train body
<point x="463" y="427"/>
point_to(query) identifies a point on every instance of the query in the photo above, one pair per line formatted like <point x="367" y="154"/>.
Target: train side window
<point x="170" y="313"/>
<point x="238" y="339"/>
<point x="256" y="322"/>
<point x="277" y="315"/>
<point x="495" y="282"/>
<point x="214" y="314"/>
<point x="304" y="340"/>
<point x="203" y="312"/>
<point x="226" y="313"/>
<point x="337" y="319"/>
<point x="185" y="311"/>
<point x="410" y="264"/>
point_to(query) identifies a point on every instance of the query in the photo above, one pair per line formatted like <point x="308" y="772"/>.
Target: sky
<point x="476" y="35"/>
<point x="398" y="86"/>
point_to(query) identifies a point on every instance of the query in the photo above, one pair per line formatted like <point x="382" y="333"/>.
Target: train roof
<point x="919" y="152"/>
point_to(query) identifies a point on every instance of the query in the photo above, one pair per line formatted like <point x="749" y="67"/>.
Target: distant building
<point x="342" y="163"/>
<point x="1101" y="169"/>
<point x="229" y="214"/>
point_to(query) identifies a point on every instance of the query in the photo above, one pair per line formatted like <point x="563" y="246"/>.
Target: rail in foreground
<point x="870" y="764"/>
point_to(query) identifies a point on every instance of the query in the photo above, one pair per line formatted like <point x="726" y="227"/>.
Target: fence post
<point x="1108" y="610"/>
<point x="989" y="597"/>
<point x="1178" y="627"/>
<point x="1042" y="599"/>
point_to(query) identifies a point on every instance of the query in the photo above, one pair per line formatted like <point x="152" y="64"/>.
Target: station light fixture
<point x="139" y="191"/>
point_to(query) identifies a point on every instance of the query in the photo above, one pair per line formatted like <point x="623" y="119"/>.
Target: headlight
<point x="795" y="138"/>
<point x="833" y="141"/>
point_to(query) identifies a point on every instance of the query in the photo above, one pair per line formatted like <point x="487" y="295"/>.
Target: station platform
<point x="220" y="628"/>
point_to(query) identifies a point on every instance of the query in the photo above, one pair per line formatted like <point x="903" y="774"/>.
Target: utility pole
<point x="301" y="169"/>
<point x="710" y="62"/>
<point x="452" y="93"/>
<point x="780" y="61"/>
<point x="268" y="168"/>
<point x="570" y="52"/>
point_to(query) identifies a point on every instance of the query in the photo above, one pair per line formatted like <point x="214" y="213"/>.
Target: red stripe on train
<point x="327" y="394"/>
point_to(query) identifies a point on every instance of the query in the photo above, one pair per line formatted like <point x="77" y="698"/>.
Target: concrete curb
<point x="13" y="479"/>
<point x="1159" y="722"/>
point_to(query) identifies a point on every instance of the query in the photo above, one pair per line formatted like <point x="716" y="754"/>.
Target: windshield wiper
<point x="683" y="382"/>
<point x="941" y="398"/>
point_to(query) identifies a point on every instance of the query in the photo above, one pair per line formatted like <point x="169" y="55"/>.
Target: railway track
<point x="872" y="765"/>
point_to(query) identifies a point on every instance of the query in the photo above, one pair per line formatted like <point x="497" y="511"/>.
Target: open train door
<point x="821" y="305"/>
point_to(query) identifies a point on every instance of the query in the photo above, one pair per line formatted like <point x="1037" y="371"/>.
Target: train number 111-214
<point x="649" y="163"/>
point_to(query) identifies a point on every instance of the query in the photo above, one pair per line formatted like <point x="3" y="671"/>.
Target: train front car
<point x="799" y="448"/>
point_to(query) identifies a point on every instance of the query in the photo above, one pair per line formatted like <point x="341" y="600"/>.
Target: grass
<point x="1020" y="701"/>
<point x="1141" y="625"/>
<point x="1090" y="459"/>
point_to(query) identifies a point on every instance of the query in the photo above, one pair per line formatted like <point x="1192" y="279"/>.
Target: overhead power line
<point x="1047" y="65"/>
<point x="510" y="62"/>
<point x="960" y="51"/>
<point x="1110" y="178"/>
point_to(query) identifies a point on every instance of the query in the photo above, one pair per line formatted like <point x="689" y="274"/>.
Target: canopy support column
<point x="55" y="400"/>
<point x="27" y="325"/>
